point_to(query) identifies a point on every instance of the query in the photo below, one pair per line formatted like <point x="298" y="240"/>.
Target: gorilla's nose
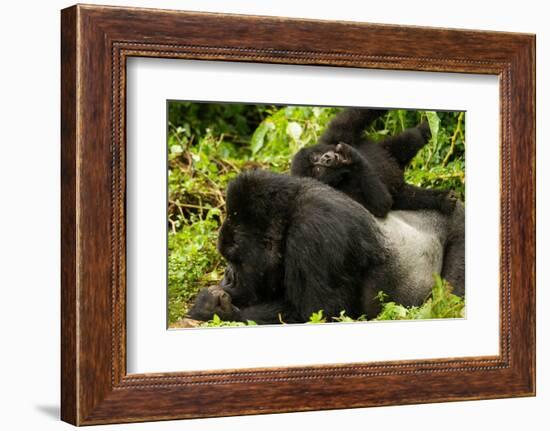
<point x="328" y="158"/>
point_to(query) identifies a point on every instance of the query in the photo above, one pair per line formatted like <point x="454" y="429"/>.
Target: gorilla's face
<point x="322" y="162"/>
<point x="253" y="259"/>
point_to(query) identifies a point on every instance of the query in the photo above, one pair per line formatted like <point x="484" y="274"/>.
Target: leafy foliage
<point x="216" y="322"/>
<point x="317" y="317"/>
<point x="441" y="304"/>
<point x="210" y="143"/>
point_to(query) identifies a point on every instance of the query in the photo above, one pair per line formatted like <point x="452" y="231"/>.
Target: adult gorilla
<point x="295" y="246"/>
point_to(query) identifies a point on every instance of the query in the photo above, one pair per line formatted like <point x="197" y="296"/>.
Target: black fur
<point x="369" y="172"/>
<point x="295" y="246"/>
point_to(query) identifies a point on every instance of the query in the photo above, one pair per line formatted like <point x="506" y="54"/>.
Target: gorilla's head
<point x="251" y="238"/>
<point x="322" y="162"/>
<point x="252" y="260"/>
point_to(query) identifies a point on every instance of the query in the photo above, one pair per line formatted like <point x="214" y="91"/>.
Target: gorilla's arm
<point x="410" y="197"/>
<point x="348" y="126"/>
<point x="405" y="146"/>
<point x="364" y="183"/>
<point x="215" y="300"/>
<point x="454" y="259"/>
<point x="278" y="311"/>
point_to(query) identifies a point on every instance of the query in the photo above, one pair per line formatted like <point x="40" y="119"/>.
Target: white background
<point x="151" y="348"/>
<point x="29" y="227"/>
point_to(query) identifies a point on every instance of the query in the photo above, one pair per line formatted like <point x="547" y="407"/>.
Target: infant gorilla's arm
<point x="410" y="197"/>
<point x="348" y="126"/>
<point x="364" y="184"/>
<point x="403" y="148"/>
<point x="407" y="144"/>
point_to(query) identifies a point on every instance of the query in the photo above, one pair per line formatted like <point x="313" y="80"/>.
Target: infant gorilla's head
<point x="324" y="162"/>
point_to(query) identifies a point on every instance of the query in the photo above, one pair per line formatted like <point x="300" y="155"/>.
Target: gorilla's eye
<point x="314" y="158"/>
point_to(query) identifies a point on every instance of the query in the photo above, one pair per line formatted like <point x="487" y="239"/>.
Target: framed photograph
<point x="322" y="214"/>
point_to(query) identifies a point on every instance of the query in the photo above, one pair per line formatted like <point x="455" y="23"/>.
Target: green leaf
<point x="381" y="296"/>
<point x="294" y="130"/>
<point x="258" y="138"/>
<point x="317" y="317"/>
<point x="433" y="122"/>
<point x="176" y="149"/>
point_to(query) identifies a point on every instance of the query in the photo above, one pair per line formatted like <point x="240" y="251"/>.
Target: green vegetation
<point x="441" y="304"/>
<point x="209" y="144"/>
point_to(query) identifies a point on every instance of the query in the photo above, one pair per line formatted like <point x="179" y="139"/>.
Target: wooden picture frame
<point x="95" y="43"/>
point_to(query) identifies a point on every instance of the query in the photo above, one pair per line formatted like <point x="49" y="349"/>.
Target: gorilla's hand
<point x="449" y="202"/>
<point x="213" y="300"/>
<point x="342" y="155"/>
<point x="347" y="155"/>
<point x="424" y="129"/>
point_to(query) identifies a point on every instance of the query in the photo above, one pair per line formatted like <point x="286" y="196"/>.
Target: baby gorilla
<point x="369" y="172"/>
